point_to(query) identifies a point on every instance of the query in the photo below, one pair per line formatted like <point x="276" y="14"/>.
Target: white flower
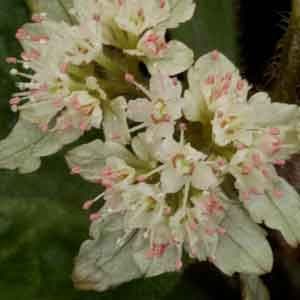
<point x="117" y="174"/>
<point x="146" y="206"/>
<point x="233" y="122"/>
<point x="184" y="165"/>
<point x="198" y="228"/>
<point x="163" y="107"/>
<point x="50" y="51"/>
<point x="136" y="16"/>
<point x="171" y="57"/>
<point x="83" y="110"/>
<point x="253" y="172"/>
<point x="213" y="81"/>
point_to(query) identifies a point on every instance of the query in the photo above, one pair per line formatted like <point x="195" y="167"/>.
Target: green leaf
<point x="55" y="9"/>
<point x="36" y="255"/>
<point x="244" y="247"/>
<point x="282" y="214"/>
<point x="214" y="26"/>
<point x="253" y="288"/>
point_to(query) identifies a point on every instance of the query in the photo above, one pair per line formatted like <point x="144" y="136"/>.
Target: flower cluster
<point x="73" y="74"/>
<point x="182" y="171"/>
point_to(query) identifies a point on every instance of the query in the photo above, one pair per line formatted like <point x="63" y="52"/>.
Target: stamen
<point x="245" y="196"/>
<point x="115" y="136"/>
<point x="15" y="101"/>
<point x="38" y="18"/>
<point x="58" y="103"/>
<point x="142" y="178"/>
<point x="137" y="128"/>
<point x="141" y="13"/>
<point x="11" y="60"/>
<point x="182" y="127"/>
<point x="279" y="162"/>
<point x="22" y="34"/>
<point x="96" y="18"/>
<point x="246" y="169"/>
<point x="88" y="204"/>
<point x="240" y="85"/>
<point x="221" y="162"/>
<point x="76" y="170"/>
<point x="255" y="191"/>
<point x="256" y="160"/>
<point x="95" y="217"/>
<point x="277" y="193"/>
<point x="167" y="211"/>
<point x="130" y="78"/>
<point x="215" y="55"/>
<point x="42" y="39"/>
<point x="210" y="231"/>
<point x="14" y="108"/>
<point x="179" y="264"/>
<point x="186" y="194"/>
<point x="193" y="225"/>
<point x="63" y="68"/>
<point x="210" y="80"/>
<point x="221" y="231"/>
<point x="15" y="72"/>
<point x="240" y="146"/>
<point x="43" y="127"/>
<point x="83" y="126"/>
<point x="162" y="3"/>
<point x="266" y="173"/>
<point x="31" y="55"/>
<point x="274" y="131"/>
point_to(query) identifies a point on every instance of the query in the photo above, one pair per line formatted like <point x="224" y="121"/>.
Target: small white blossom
<point x="184" y="165"/>
<point x="162" y="107"/>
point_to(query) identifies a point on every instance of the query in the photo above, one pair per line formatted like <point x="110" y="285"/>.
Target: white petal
<point x="96" y="117"/>
<point x="115" y="121"/>
<point x="171" y="181"/>
<point x="139" y="110"/>
<point x="164" y="87"/>
<point x="159" y="131"/>
<point x="181" y="11"/>
<point x="203" y="177"/>
<point x="177" y="59"/>
<point x="129" y="18"/>
<point x="168" y="149"/>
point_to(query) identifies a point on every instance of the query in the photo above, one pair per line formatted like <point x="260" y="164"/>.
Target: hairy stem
<point x="285" y="70"/>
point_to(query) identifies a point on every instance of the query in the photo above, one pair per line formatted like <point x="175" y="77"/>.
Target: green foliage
<point x="214" y="26"/>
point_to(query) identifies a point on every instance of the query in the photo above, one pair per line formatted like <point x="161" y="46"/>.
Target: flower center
<point x="111" y="177"/>
<point x="182" y="165"/>
<point x="160" y="112"/>
<point x="156" y="44"/>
